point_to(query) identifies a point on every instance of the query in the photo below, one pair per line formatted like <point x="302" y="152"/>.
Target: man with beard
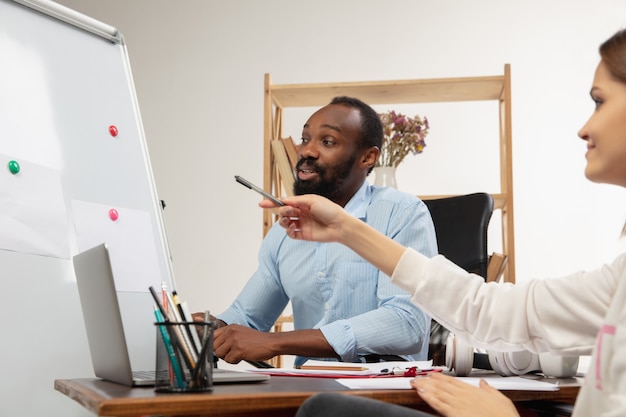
<point x="343" y="308"/>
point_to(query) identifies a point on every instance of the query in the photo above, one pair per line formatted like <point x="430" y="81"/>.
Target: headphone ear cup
<point x="497" y="362"/>
<point x="450" y="351"/>
<point x="464" y="358"/>
<point x="514" y="363"/>
<point x="522" y="362"/>
<point x="459" y="356"/>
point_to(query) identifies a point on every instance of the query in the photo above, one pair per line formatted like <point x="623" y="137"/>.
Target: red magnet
<point x="113" y="214"/>
<point x="113" y="130"/>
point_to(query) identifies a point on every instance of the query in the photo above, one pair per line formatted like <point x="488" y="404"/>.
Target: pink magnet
<point x="113" y="214"/>
<point x="113" y="130"/>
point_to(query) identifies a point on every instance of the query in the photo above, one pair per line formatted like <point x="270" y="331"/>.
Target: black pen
<point x="251" y="186"/>
<point x="158" y="303"/>
<point x="198" y="373"/>
<point x="259" y="364"/>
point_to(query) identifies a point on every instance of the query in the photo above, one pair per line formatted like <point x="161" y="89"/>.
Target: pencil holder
<point x="184" y="357"/>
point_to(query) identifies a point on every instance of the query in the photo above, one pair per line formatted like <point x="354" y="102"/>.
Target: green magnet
<point x="14" y="167"/>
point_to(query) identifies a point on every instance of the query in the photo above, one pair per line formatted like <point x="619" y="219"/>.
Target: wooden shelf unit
<point x="498" y="87"/>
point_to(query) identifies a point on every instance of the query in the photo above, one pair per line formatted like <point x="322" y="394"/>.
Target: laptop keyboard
<point x="144" y="375"/>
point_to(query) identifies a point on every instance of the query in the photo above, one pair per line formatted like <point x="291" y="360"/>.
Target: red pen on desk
<point x="413" y="371"/>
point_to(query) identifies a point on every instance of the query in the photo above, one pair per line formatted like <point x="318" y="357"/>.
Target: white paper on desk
<point x="377" y="383"/>
<point x="312" y="372"/>
<point x="342" y="368"/>
<point x="502" y="384"/>
<point x="514" y="383"/>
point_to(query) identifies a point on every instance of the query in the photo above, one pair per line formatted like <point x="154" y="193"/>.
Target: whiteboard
<point x="69" y="115"/>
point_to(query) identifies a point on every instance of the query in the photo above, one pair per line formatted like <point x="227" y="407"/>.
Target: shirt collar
<point x="357" y="206"/>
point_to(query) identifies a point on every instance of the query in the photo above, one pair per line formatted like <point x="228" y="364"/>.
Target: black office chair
<point x="461" y="224"/>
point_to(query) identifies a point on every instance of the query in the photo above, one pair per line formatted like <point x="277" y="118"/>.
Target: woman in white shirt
<point x="580" y="314"/>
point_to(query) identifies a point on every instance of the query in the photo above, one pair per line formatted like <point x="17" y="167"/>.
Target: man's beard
<point x="329" y="180"/>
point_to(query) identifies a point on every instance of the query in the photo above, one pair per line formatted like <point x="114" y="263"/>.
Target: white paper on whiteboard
<point x="33" y="216"/>
<point x="130" y="241"/>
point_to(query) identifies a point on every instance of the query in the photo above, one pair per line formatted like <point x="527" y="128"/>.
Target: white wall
<point x="198" y="67"/>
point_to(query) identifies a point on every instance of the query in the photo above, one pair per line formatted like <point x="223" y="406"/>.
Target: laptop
<point x="103" y="316"/>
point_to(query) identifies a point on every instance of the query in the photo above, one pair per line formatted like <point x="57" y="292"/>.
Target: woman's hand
<point x="452" y="397"/>
<point x="310" y="217"/>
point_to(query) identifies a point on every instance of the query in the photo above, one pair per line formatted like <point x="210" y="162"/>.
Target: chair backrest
<point x="461" y="224"/>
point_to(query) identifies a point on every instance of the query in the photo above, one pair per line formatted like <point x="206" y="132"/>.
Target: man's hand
<point x="200" y="318"/>
<point x="452" y="398"/>
<point x="235" y="343"/>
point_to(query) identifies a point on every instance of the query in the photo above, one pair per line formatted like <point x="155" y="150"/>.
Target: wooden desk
<point x="279" y="397"/>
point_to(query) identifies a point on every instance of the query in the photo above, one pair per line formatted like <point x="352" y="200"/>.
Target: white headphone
<point x="461" y="358"/>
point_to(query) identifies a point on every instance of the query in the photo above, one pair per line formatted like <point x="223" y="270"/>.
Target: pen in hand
<point x="251" y="186"/>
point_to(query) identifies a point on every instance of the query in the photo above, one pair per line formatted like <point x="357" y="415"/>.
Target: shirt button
<point x="320" y="274"/>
